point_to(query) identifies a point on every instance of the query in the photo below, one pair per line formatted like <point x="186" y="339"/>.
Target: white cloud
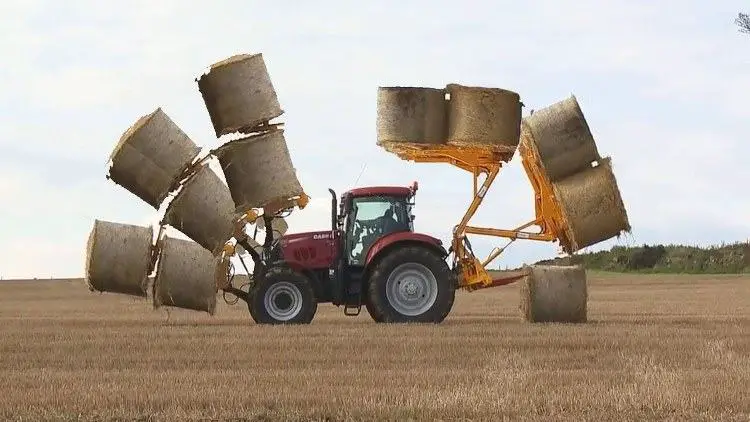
<point x="662" y="85"/>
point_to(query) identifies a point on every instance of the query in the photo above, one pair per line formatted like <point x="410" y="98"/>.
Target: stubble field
<point x="656" y="347"/>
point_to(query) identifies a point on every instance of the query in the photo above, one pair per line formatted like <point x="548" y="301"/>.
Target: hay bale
<point x="561" y="138"/>
<point x="258" y="170"/>
<point x="592" y="206"/>
<point x="118" y="258"/>
<point x="554" y="294"/>
<point x="185" y="276"/>
<point x="412" y="115"/>
<point x="203" y="210"/>
<point x="278" y="225"/>
<point x="484" y="116"/>
<point x="150" y="157"/>
<point x="238" y="94"/>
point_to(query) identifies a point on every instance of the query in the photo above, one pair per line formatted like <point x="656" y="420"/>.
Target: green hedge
<point x="720" y="259"/>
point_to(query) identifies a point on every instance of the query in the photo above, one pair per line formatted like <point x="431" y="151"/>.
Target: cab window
<point x="371" y="218"/>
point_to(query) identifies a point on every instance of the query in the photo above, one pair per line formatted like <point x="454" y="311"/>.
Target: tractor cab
<point x="370" y="213"/>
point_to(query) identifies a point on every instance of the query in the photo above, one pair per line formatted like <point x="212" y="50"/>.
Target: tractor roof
<point x="381" y="190"/>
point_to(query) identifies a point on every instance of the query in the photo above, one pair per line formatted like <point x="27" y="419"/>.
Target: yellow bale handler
<point x="482" y="161"/>
<point x="370" y="255"/>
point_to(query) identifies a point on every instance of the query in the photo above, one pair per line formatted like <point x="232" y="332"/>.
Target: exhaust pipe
<point x="334" y="207"/>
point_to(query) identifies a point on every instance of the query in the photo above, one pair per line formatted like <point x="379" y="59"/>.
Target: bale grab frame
<point x="488" y="160"/>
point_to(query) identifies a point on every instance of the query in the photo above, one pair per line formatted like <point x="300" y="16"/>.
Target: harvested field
<point x="655" y="347"/>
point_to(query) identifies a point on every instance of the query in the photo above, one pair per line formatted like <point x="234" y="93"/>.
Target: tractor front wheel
<point x="410" y="284"/>
<point x="283" y="296"/>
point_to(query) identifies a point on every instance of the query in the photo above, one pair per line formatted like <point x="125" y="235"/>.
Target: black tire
<point x="291" y="298"/>
<point x="374" y="312"/>
<point x="433" y="289"/>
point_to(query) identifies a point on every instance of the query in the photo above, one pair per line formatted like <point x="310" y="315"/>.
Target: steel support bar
<point x="510" y="234"/>
<point x="488" y="160"/>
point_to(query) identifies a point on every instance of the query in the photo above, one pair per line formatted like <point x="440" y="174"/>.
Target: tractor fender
<point x="394" y="239"/>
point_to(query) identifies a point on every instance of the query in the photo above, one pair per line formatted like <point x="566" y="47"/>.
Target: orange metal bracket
<point x="488" y="160"/>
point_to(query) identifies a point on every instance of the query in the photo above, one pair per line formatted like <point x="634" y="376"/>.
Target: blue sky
<point x="662" y="84"/>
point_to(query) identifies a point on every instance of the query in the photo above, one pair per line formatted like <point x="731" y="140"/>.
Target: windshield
<point x="371" y="218"/>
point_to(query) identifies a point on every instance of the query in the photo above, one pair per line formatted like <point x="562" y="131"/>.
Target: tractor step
<point x="353" y="300"/>
<point x="352" y="310"/>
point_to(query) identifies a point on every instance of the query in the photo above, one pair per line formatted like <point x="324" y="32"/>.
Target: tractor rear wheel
<point x="283" y="296"/>
<point x="410" y="284"/>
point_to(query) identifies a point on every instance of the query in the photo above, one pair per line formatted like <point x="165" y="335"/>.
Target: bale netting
<point x="118" y="258"/>
<point x="203" y="210"/>
<point x="411" y="115"/>
<point x="238" y="94"/>
<point x="554" y="294"/>
<point x="258" y="170"/>
<point x="483" y="116"/>
<point x="185" y="276"/>
<point x="591" y="205"/>
<point x="151" y="156"/>
<point x="562" y="139"/>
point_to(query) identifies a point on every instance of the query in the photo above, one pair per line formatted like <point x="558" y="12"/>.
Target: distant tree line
<point x="720" y="259"/>
<point x="743" y="21"/>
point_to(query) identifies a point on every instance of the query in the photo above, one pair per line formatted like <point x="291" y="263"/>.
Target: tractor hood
<point x="309" y="250"/>
<point x="291" y="239"/>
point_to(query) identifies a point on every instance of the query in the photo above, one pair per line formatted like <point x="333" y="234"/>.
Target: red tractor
<point x="371" y="256"/>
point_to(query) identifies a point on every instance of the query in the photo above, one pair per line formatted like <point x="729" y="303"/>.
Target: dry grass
<point x="656" y="347"/>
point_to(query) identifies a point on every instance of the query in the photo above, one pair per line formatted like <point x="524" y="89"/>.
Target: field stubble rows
<point x="656" y="347"/>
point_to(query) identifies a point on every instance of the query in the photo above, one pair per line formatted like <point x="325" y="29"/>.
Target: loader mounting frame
<point x="222" y="272"/>
<point x="488" y="160"/>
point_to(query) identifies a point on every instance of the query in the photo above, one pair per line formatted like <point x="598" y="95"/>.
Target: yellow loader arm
<point x="488" y="161"/>
<point x="577" y="201"/>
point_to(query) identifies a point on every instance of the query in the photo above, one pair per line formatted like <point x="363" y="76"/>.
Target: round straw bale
<point x="487" y="116"/>
<point x="203" y="210"/>
<point x="411" y="114"/>
<point x="591" y="205"/>
<point x="150" y="157"/>
<point x="258" y="170"/>
<point x="185" y="276"/>
<point x="278" y="225"/>
<point x="118" y="258"/>
<point x="562" y="139"/>
<point x="554" y="294"/>
<point x="238" y="94"/>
